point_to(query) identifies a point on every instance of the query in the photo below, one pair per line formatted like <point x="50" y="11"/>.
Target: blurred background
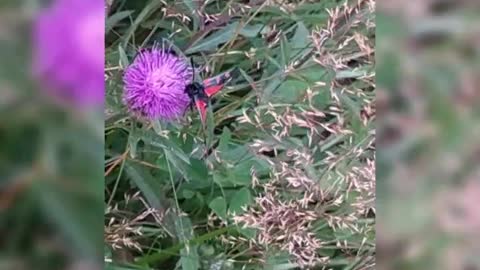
<point x="51" y="134"/>
<point x="51" y="126"/>
<point x="428" y="178"/>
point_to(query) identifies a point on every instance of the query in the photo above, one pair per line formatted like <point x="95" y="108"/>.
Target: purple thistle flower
<point x="68" y="53"/>
<point x="155" y="85"/>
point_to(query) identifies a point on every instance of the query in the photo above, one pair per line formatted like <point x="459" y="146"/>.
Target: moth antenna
<point x="193" y="69"/>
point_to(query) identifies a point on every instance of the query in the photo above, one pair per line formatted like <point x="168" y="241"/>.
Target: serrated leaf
<point x="219" y="206"/>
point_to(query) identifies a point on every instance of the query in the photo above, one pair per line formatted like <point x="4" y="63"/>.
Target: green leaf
<point x="285" y="266"/>
<point x="116" y="18"/>
<point x="240" y="174"/>
<point x="268" y="90"/>
<point x="352" y="73"/>
<point x="236" y="154"/>
<point x="250" y="233"/>
<point x="149" y="187"/>
<point x="167" y="144"/>
<point x="219" y="206"/>
<point x="352" y="105"/>
<point x="316" y="73"/>
<point x="215" y="39"/>
<point x="188" y="194"/>
<point x="189" y="255"/>
<point x="189" y="258"/>
<point x="290" y="91"/>
<point x="206" y="250"/>
<point x="247" y="77"/>
<point x="240" y="199"/>
<point x="222" y="36"/>
<point x="123" y="57"/>
<point x="277" y="260"/>
<point x="224" y="140"/>
<point x="301" y="38"/>
<point x="197" y="170"/>
<point x="192" y="7"/>
<point x="221" y="179"/>
<point x="285" y="49"/>
<point x="183" y="228"/>
<point x="251" y="31"/>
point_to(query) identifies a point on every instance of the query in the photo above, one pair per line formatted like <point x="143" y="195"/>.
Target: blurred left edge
<point x="51" y="134"/>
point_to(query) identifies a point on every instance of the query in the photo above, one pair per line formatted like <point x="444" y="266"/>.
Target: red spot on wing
<point x="219" y="79"/>
<point x="202" y="110"/>
<point x="208" y="82"/>
<point x="212" y="90"/>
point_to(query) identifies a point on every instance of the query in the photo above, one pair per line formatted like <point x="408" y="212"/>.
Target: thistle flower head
<point x="155" y="84"/>
<point x="68" y="52"/>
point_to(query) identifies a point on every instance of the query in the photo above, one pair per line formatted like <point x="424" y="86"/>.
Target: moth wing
<point x="212" y="90"/>
<point x="202" y="109"/>
<point x="221" y="78"/>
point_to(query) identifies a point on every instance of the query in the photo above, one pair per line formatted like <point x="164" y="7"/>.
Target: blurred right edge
<point x="428" y="178"/>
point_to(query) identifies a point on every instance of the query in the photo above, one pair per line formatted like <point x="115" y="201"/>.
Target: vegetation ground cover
<point x="283" y="175"/>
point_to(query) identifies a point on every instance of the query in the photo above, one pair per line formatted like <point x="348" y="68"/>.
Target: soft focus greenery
<point x="172" y="190"/>
<point x="50" y="163"/>
<point x="428" y="151"/>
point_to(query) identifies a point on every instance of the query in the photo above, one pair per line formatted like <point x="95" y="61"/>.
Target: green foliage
<point x="192" y="183"/>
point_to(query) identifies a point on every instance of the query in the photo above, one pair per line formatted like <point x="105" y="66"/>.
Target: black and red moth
<point x="200" y="93"/>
